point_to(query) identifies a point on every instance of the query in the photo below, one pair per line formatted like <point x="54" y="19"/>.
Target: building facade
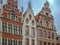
<point x="18" y="28"/>
<point x="10" y="23"/>
<point x="46" y="31"/>
<point x="29" y="27"/>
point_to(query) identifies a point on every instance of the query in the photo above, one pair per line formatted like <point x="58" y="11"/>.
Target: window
<point x="30" y="17"/>
<point x="41" y="23"/>
<point x="10" y="28"/>
<point x="8" y="16"/>
<point x="15" y="42"/>
<point x="15" y="29"/>
<point x="27" y="21"/>
<point x="52" y="43"/>
<point x="44" y="34"/>
<point x="4" y="27"/>
<point x="32" y="22"/>
<point x="46" y="14"/>
<point x="27" y="31"/>
<point x="48" y="43"/>
<point x="47" y="24"/>
<point x="44" y="43"/>
<point x="16" y="18"/>
<point x="33" y="42"/>
<point x="40" y="33"/>
<point x="33" y="32"/>
<point x="20" y="30"/>
<point x="40" y="42"/>
<point x="4" y="41"/>
<point x="9" y="42"/>
<point x="57" y="43"/>
<point x="52" y="35"/>
<point x="49" y="35"/>
<point x="12" y="7"/>
<point x="12" y="16"/>
<point x="19" y="42"/>
<point x="52" y="26"/>
<point x="27" y="41"/>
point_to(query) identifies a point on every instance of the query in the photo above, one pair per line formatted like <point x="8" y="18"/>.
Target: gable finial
<point x="29" y="4"/>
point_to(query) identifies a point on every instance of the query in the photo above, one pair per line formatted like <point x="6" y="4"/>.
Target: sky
<point x="37" y="6"/>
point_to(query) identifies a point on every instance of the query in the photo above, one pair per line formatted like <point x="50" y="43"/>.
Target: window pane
<point x="4" y="27"/>
<point x="4" y="41"/>
<point x="27" y="41"/>
<point x="33" y="42"/>
<point x="27" y="31"/>
<point x="49" y="35"/>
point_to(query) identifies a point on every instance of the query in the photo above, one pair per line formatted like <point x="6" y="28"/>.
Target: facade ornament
<point x="29" y="4"/>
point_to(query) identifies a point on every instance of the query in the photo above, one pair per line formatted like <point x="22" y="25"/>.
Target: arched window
<point x="30" y="17"/>
<point x="32" y="22"/>
<point x="27" y="21"/>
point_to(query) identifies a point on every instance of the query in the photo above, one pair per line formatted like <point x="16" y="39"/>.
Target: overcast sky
<point x="37" y="6"/>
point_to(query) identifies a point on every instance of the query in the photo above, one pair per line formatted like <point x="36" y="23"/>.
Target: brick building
<point x="10" y="23"/>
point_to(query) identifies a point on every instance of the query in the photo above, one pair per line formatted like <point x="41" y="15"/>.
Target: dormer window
<point x="30" y="17"/>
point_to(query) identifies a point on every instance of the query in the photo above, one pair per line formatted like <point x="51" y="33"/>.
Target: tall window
<point x="16" y="18"/>
<point x="4" y="41"/>
<point x="40" y="42"/>
<point x="12" y="16"/>
<point x="15" y="29"/>
<point x="30" y="17"/>
<point x="20" y="30"/>
<point x="48" y="43"/>
<point x="47" y="24"/>
<point x="27" y="41"/>
<point x="9" y="42"/>
<point x="27" y="21"/>
<point x="40" y="33"/>
<point x="19" y="42"/>
<point x="40" y="22"/>
<point x="52" y="26"/>
<point x="10" y="28"/>
<point x="15" y="42"/>
<point x="44" y="34"/>
<point x="52" y="43"/>
<point x="33" y="32"/>
<point x="52" y="35"/>
<point x="32" y="22"/>
<point x="44" y="43"/>
<point x="8" y="16"/>
<point x="46" y="14"/>
<point x="27" y="31"/>
<point x="49" y="35"/>
<point x="4" y="27"/>
<point x="33" y="42"/>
